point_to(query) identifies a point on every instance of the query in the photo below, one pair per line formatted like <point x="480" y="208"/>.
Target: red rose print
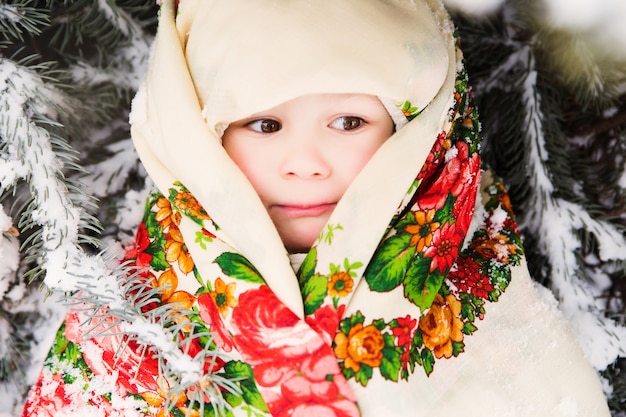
<point x="266" y="330"/>
<point x="285" y="352"/>
<point x="453" y="178"/>
<point x="434" y="157"/>
<point x="136" y="370"/>
<point x="43" y="401"/>
<point x="325" y="321"/>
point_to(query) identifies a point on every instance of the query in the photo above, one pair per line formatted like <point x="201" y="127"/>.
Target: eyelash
<point x="260" y="124"/>
<point x="347" y="119"/>
<point x="272" y="126"/>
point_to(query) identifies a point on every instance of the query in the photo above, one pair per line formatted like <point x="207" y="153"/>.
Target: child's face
<point x="302" y="155"/>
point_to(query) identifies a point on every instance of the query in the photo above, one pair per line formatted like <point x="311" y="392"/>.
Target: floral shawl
<point x="415" y="299"/>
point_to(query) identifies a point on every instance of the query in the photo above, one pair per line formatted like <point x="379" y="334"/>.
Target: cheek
<point x="251" y="161"/>
<point x="353" y="160"/>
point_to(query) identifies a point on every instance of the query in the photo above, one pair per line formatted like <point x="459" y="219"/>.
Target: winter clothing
<point x="415" y="300"/>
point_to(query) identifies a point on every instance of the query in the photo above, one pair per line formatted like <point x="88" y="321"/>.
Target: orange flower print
<point x="422" y="230"/>
<point x="158" y="400"/>
<point x="494" y="246"/>
<point x="167" y="282"/>
<point x="340" y="284"/>
<point x="176" y="250"/>
<point x="503" y="196"/>
<point x="189" y="205"/>
<point x="363" y="345"/>
<point x="441" y="325"/>
<point x="165" y="216"/>
<point x="224" y="296"/>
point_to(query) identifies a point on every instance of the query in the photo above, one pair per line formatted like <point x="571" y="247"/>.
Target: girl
<point x="323" y="241"/>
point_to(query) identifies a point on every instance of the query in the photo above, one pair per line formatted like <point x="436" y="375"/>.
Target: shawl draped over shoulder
<point x="415" y="299"/>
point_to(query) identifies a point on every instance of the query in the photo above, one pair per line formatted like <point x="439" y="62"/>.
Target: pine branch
<point x="21" y="16"/>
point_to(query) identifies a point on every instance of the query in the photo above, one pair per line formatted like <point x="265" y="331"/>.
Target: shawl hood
<point x="246" y="57"/>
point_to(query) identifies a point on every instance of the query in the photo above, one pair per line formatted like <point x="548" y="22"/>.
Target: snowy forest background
<point x="550" y="80"/>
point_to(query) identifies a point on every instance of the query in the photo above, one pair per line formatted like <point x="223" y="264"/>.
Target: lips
<point x="295" y="211"/>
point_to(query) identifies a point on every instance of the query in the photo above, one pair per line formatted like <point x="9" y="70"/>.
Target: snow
<point x="558" y="221"/>
<point x="9" y="254"/>
<point x="602" y="19"/>
<point x="10" y="13"/>
<point x="476" y="7"/>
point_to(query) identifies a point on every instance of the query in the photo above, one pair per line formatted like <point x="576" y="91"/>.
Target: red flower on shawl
<point x="325" y="321"/>
<point x="211" y="316"/>
<point x="212" y="364"/>
<point x="137" y="252"/>
<point x="285" y="352"/>
<point x="312" y="393"/>
<point x="266" y="330"/>
<point x="404" y="335"/>
<point x="467" y="277"/>
<point x="404" y="331"/>
<point x="445" y="247"/>
<point x="136" y="369"/>
<point x="455" y="177"/>
<point x="433" y="159"/>
<point x="45" y="401"/>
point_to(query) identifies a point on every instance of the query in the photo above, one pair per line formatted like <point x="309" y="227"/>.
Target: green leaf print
<point x="202" y="239"/>
<point x="390" y="363"/>
<point x="428" y="361"/>
<point x="420" y="286"/>
<point x="236" y="266"/>
<point x="364" y="374"/>
<point x="242" y="372"/>
<point x="252" y="396"/>
<point x="158" y="262"/>
<point x="457" y="348"/>
<point x="388" y="266"/>
<point x="314" y="291"/>
<point x="446" y="213"/>
<point x="237" y="370"/>
<point x="307" y="268"/>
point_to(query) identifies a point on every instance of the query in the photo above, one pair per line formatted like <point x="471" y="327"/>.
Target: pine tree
<point x="71" y="185"/>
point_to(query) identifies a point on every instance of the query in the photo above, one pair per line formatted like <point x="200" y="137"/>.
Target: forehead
<point x="245" y="56"/>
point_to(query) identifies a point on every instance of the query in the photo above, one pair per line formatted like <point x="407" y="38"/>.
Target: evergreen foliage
<point x="553" y="110"/>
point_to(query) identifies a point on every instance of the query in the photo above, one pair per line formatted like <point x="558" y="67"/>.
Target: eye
<point x="264" y="125"/>
<point x="347" y="123"/>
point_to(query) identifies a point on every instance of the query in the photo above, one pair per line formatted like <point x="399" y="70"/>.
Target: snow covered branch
<point x="557" y="223"/>
<point x="28" y="154"/>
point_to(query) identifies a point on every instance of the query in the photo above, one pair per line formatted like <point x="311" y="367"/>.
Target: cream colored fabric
<point x="523" y="361"/>
<point x="205" y="72"/>
<point x="175" y="142"/>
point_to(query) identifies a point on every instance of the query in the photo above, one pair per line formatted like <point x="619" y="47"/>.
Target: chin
<point x="298" y="247"/>
<point x="300" y="243"/>
<point x="298" y="237"/>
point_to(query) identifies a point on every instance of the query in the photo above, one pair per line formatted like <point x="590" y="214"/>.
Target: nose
<point x="305" y="159"/>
